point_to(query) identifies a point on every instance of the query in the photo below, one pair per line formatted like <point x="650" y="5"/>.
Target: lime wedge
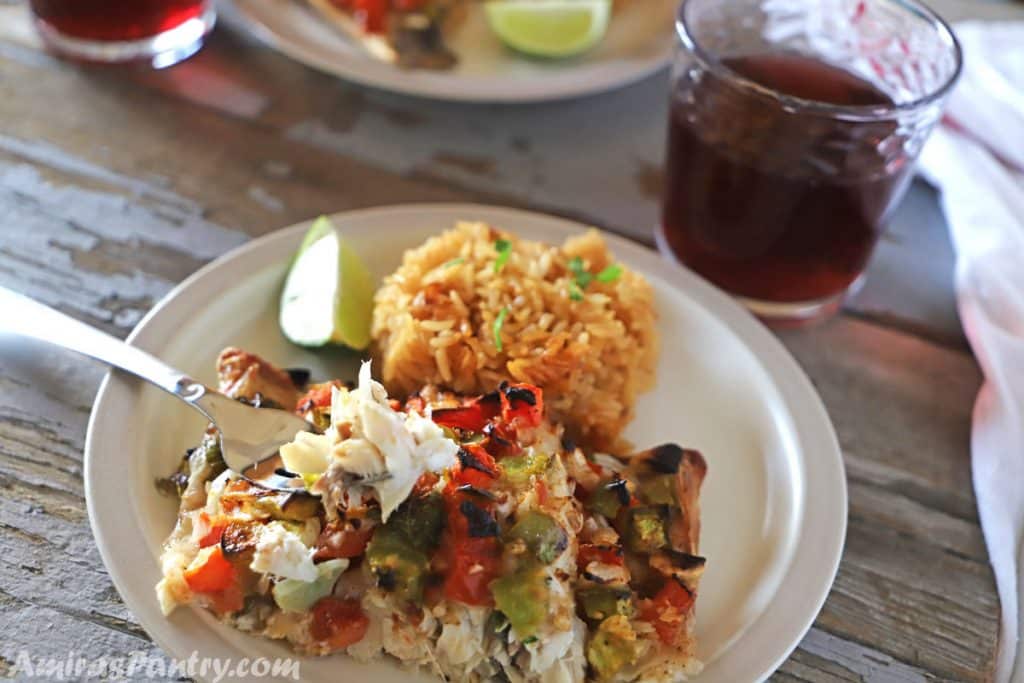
<point x="549" y="28"/>
<point x="328" y="294"/>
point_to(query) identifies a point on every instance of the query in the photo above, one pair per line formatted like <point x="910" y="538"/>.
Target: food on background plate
<point x="414" y="34"/>
<point x="549" y="28"/>
<point x="407" y="33"/>
<point x="476" y="306"/>
<point x="464" y="534"/>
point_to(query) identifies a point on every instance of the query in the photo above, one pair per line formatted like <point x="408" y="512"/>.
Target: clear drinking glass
<point x="793" y="130"/>
<point x="161" y="32"/>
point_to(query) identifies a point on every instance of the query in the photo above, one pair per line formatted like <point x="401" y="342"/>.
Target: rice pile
<point x="434" y="323"/>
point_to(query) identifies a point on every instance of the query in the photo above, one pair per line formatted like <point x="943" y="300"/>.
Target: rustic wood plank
<point x="519" y="155"/>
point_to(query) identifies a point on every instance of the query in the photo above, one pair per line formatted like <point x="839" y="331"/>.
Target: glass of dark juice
<point x="793" y="130"/>
<point x="160" y="32"/>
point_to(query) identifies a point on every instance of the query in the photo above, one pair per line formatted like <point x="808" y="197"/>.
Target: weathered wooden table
<point x="115" y="184"/>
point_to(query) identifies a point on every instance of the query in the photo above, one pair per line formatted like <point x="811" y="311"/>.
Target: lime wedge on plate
<point x="328" y="294"/>
<point x="549" y="28"/>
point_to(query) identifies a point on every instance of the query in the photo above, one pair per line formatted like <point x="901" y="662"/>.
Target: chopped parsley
<point x="610" y="274"/>
<point x="530" y="639"/>
<point x="579" y="272"/>
<point x="504" y="249"/>
<point x="581" y="277"/>
<point x="498" y="323"/>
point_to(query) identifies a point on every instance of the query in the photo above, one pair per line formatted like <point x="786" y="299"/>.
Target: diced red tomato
<point x="408" y="5"/>
<point x="371" y="14"/>
<point x="339" y="539"/>
<point x="502" y="440"/>
<point x="604" y="554"/>
<point x="474" y="564"/>
<point x="338" y="623"/>
<point x="519" y="410"/>
<point x="542" y="492"/>
<point x="318" y="396"/>
<point x="667" y="611"/>
<point x="476" y="467"/>
<point x="210" y="572"/>
<point x="469" y="563"/>
<point x="472" y="417"/>
<point x="210" y="530"/>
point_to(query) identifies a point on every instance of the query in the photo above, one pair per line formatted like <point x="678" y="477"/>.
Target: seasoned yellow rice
<point x="434" y="322"/>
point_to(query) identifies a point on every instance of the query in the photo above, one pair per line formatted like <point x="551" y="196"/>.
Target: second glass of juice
<point x="793" y="130"/>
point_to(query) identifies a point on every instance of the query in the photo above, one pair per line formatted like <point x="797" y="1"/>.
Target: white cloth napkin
<point x="976" y="159"/>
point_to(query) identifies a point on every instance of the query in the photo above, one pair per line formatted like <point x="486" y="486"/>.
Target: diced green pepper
<point x="646" y="530"/>
<point x="659" y="490"/>
<point x="518" y="469"/>
<point x="396" y="566"/>
<point x="210" y="449"/>
<point x="601" y="602"/>
<point x="612" y="647"/>
<point x="523" y="598"/>
<point x="399" y="552"/>
<point x="419" y="522"/>
<point x="607" y="499"/>
<point x="542" y="534"/>
<point x="293" y="595"/>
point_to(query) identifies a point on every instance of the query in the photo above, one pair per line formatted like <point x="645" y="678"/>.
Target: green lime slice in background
<point x="328" y="294"/>
<point x="549" y="28"/>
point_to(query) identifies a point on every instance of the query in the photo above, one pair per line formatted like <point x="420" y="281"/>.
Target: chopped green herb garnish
<point x="610" y="274"/>
<point x="454" y="262"/>
<point x="575" y="293"/>
<point x="579" y="272"/>
<point x="504" y="249"/>
<point x="530" y="639"/>
<point x="498" y="322"/>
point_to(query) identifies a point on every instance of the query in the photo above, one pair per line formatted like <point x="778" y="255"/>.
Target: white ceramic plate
<point x="774" y="502"/>
<point x="638" y="43"/>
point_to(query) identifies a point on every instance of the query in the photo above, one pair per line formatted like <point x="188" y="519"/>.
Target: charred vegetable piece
<point x="293" y="595"/>
<point x="659" y="490"/>
<point x="542" y="534"/>
<point x="480" y="522"/>
<point x="665" y="459"/>
<point x="612" y="647"/>
<point x="238" y="540"/>
<point x="609" y="497"/>
<point x="520" y="468"/>
<point x="646" y="528"/>
<point x="601" y="602"/>
<point x="294" y="507"/>
<point x="418" y="521"/>
<point x="399" y="552"/>
<point x="396" y="566"/>
<point x="523" y="597"/>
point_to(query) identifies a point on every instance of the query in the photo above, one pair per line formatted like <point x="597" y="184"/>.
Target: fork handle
<point x="29" y="318"/>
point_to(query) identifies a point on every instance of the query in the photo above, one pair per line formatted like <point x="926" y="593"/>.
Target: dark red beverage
<point x="116" y="20"/>
<point x="779" y="203"/>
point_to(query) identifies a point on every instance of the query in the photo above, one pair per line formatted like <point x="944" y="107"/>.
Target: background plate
<point x="638" y="43"/>
<point x="774" y="502"/>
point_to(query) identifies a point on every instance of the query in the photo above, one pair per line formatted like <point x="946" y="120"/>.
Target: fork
<point x="249" y="437"/>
